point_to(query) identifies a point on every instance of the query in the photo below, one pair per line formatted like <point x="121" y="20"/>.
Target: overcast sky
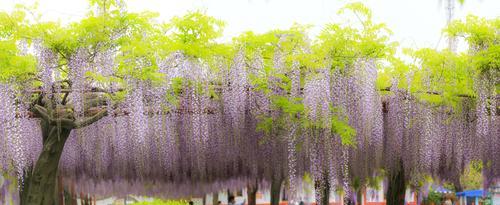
<point x="415" y="23"/>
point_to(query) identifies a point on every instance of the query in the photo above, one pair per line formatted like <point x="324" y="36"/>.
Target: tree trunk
<point x="275" y="191"/>
<point x="397" y="187"/>
<point x="42" y="184"/>
<point x="252" y="193"/>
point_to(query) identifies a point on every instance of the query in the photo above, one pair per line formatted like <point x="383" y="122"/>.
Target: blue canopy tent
<point x="470" y="197"/>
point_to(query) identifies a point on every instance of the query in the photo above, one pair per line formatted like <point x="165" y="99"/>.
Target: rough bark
<point x="275" y="190"/>
<point x="397" y="187"/>
<point x="252" y="193"/>
<point x="42" y="183"/>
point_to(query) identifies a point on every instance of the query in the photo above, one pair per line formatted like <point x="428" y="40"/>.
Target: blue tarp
<point x="471" y="193"/>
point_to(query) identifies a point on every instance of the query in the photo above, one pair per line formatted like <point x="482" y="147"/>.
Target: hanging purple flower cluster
<point x="234" y="93"/>
<point x="47" y="63"/>
<point x="20" y="141"/>
<point x="488" y="127"/>
<point x="350" y="94"/>
<point x="196" y="143"/>
<point x="78" y="65"/>
<point x="440" y="140"/>
<point x="293" y="137"/>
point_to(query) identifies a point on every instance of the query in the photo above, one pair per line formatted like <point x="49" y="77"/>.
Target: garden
<point x="120" y="103"/>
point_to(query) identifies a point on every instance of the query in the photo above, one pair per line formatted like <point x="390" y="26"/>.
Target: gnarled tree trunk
<point x="42" y="182"/>
<point x="41" y="187"/>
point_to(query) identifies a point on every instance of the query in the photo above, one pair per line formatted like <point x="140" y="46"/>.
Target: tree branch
<point x="64" y="122"/>
<point x="65" y="98"/>
<point x="88" y="121"/>
<point x="388" y="89"/>
<point x="92" y="90"/>
<point x="42" y="112"/>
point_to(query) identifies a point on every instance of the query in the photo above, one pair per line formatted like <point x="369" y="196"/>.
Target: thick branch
<point x="438" y="93"/>
<point x="88" y="121"/>
<point x="63" y="122"/>
<point x="65" y="98"/>
<point x="219" y="87"/>
<point x="92" y="90"/>
<point x="42" y="112"/>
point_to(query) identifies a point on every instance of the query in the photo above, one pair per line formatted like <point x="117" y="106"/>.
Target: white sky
<point x="415" y="23"/>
